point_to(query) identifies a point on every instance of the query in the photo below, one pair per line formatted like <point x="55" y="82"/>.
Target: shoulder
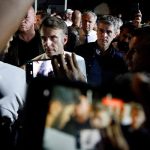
<point x="80" y="59"/>
<point x="77" y="56"/>
<point x="14" y="41"/>
<point x="40" y="57"/>
<point x="84" y="49"/>
<point x="91" y="45"/>
<point x="8" y="67"/>
<point x="13" y="77"/>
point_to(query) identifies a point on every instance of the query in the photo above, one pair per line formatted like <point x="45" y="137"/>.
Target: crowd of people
<point x="104" y="52"/>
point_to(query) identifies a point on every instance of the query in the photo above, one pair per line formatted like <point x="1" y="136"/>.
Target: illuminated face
<point x="105" y="35"/>
<point x="82" y="109"/>
<point x="137" y="21"/>
<point x="53" y="40"/>
<point x="88" y="22"/>
<point x="124" y="39"/>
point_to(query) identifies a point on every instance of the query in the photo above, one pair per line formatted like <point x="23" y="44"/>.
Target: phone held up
<point x="39" y="68"/>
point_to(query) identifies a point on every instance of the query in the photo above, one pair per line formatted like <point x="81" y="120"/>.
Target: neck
<point x="27" y="36"/>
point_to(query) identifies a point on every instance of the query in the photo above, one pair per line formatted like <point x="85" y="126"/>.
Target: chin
<point x="23" y="30"/>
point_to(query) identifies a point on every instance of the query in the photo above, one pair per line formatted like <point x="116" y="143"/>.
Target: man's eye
<point x="109" y="32"/>
<point x="43" y="38"/>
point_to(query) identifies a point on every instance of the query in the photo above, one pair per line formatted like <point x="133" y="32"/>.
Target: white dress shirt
<point x="91" y="37"/>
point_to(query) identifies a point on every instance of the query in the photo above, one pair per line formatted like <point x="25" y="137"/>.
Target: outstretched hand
<point x="66" y="67"/>
<point x="113" y="137"/>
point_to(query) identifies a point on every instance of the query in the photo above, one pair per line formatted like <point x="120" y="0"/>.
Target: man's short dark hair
<point x="54" y="22"/>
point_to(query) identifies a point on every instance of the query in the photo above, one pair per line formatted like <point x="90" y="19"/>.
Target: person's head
<point x="76" y="18"/>
<point x="106" y="31"/>
<point x="101" y="117"/>
<point x="137" y="19"/>
<point x="88" y="21"/>
<point x="28" y="21"/>
<point x="138" y="57"/>
<point x="61" y="106"/>
<point x="68" y="14"/>
<point x="82" y="109"/>
<point x="54" y="34"/>
<point x="125" y="35"/>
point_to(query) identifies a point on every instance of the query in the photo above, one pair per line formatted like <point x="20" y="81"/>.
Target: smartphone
<point x="38" y="68"/>
<point x="50" y="107"/>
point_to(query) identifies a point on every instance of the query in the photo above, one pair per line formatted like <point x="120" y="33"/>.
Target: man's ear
<point x="65" y="39"/>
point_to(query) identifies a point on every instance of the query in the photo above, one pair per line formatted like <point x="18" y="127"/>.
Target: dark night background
<point x="125" y="7"/>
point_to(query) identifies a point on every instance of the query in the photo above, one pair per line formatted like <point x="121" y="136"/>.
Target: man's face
<point x="137" y="21"/>
<point x="53" y="40"/>
<point x="28" y="21"/>
<point x="88" y="22"/>
<point x="124" y="39"/>
<point x="137" y="57"/>
<point x="82" y="109"/>
<point x="69" y="15"/>
<point x="105" y="35"/>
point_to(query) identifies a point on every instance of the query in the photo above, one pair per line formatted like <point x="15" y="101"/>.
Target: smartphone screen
<point x="54" y="122"/>
<point x="42" y="67"/>
<point x="68" y="115"/>
<point x="63" y="128"/>
<point x="37" y="68"/>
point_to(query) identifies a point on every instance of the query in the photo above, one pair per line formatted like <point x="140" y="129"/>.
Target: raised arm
<point x="11" y="13"/>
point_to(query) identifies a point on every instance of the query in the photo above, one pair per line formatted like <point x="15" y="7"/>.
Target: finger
<point x="62" y="62"/>
<point x="75" y="60"/>
<point x="69" y="61"/>
<point x="55" y="64"/>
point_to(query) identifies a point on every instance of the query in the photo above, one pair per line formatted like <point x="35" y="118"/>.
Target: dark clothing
<point x="137" y="139"/>
<point x="74" y="128"/>
<point x="101" y="67"/>
<point x="21" y="51"/>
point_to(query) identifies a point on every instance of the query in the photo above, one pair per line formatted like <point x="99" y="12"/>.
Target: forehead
<point x="50" y="31"/>
<point x="105" y="26"/>
<point x="88" y="16"/>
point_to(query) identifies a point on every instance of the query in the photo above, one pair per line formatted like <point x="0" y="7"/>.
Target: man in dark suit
<point x="103" y="62"/>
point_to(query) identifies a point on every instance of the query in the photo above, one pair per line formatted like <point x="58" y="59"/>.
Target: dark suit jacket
<point x="20" y="52"/>
<point x="101" y="67"/>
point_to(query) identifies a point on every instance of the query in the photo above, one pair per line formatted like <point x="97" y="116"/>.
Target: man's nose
<point x="105" y="34"/>
<point x="48" y="41"/>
